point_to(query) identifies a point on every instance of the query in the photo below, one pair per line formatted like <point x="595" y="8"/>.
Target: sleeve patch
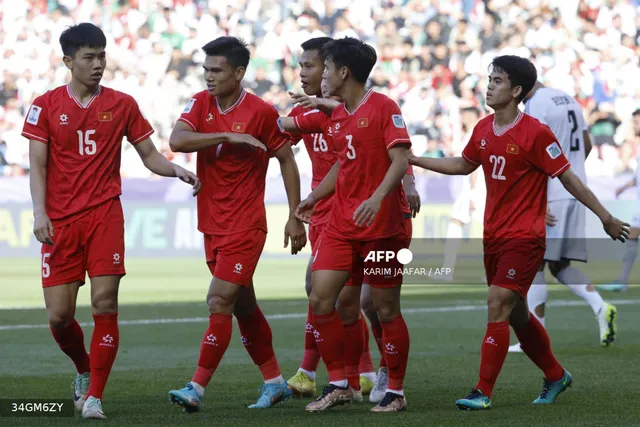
<point x="34" y="115"/>
<point x="189" y="106"/>
<point x="554" y="150"/>
<point x="279" y="121"/>
<point x="398" y="121"/>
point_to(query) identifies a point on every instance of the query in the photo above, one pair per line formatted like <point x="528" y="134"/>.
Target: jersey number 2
<point x="498" y="163"/>
<point x="575" y="140"/>
<point x="85" y="144"/>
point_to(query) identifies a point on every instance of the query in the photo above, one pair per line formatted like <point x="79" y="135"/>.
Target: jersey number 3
<point x="351" y="151"/>
<point x="498" y="163"/>
<point x="86" y="146"/>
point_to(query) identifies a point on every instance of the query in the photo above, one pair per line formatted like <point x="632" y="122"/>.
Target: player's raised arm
<point x="42" y="227"/>
<point x="614" y="227"/>
<point x="160" y="165"/>
<point x="184" y="139"/>
<point x="446" y="165"/>
<point x="325" y="105"/>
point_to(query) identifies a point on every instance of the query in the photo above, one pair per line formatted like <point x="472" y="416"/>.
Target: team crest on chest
<point x="239" y="127"/>
<point x="209" y="118"/>
<point x="483" y="144"/>
<point x="363" y="122"/>
<point x="513" y="149"/>
<point x="64" y="119"/>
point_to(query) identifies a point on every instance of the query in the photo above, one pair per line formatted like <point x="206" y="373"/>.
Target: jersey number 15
<point x="85" y="144"/>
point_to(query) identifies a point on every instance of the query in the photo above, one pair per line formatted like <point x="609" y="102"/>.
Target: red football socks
<point x="536" y="344"/>
<point x="104" y="347"/>
<point x="396" y="343"/>
<point x="215" y="343"/>
<point x="330" y="337"/>
<point x="376" y="330"/>
<point x="353" y="347"/>
<point x="493" y="353"/>
<point x="70" y="339"/>
<point x="311" y="357"/>
<point x="366" y="364"/>
<point x="257" y="339"/>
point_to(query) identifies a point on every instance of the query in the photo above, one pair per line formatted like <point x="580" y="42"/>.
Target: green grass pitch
<point x="446" y="324"/>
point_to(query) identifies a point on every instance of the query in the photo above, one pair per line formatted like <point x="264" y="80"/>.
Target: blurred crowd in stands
<point x="433" y="57"/>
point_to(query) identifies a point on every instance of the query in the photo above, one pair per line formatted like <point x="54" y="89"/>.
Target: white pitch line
<point x="286" y="316"/>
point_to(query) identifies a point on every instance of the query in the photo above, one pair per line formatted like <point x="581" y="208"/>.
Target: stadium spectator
<point x="432" y="53"/>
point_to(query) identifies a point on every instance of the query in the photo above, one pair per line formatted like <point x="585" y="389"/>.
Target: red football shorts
<point x="91" y="242"/>
<point x="339" y="254"/>
<point x="315" y="231"/>
<point x="514" y="267"/>
<point x="234" y="257"/>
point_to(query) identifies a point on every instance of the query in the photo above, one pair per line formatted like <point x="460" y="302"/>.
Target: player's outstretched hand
<point x="304" y="100"/>
<point x="550" y="219"/>
<point x="244" y="138"/>
<point x="294" y="230"/>
<point x="366" y="212"/>
<point x="43" y="229"/>
<point x="616" y="229"/>
<point x="620" y="190"/>
<point x="305" y="209"/>
<point x="188" y="177"/>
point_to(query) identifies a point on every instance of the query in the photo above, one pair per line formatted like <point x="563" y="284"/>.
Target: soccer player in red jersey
<point x="323" y="156"/>
<point x="235" y="133"/>
<point x="367" y="216"/>
<point x="516" y="153"/>
<point x="75" y="135"/>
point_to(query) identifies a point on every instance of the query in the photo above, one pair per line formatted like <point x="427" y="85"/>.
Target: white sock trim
<point x="310" y="374"/>
<point x="198" y="388"/>
<point x="277" y="380"/>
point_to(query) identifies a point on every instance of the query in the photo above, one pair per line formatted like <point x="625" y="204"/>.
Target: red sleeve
<point x="192" y="113"/>
<point x="394" y="130"/>
<point x="546" y="153"/>
<point x="36" y="124"/>
<point x="294" y="139"/>
<point x="138" y="128"/>
<point x="471" y="152"/>
<point x="272" y="133"/>
<point x="313" y="121"/>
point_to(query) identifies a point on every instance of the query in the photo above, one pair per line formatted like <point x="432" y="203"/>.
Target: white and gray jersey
<point x="563" y="115"/>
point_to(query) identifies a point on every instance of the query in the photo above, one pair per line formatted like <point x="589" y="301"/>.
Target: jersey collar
<point x="77" y="101"/>
<point x="506" y="129"/>
<point x="364" y="99"/>
<point x="243" y="94"/>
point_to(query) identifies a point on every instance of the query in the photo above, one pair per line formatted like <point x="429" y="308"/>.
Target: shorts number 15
<point x="85" y="144"/>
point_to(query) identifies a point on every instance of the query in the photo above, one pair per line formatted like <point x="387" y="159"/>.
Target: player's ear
<point x="68" y="61"/>
<point x="240" y="73"/>
<point x="516" y="91"/>
<point x="344" y="72"/>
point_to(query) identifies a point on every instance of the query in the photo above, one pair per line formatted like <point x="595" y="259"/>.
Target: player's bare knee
<point x="321" y="304"/>
<point x="60" y="318"/>
<point x="500" y="303"/>
<point x="369" y="309"/>
<point x="556" y="267"/>
<point x="219" y="304"/>
<point x="349" y="310"/>
<point x="388" y="311"/>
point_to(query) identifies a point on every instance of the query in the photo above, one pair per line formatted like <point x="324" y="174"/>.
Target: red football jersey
<point x="233" y="176"/>
<point x="362" y="139"/>
<point x="322" y="154"/>
<point x="516" y="163"/>
<point x="83" y="165"/>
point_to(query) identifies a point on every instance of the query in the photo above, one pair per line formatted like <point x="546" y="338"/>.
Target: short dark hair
<point x="521" y="72"/>
<point x="235" y="50"/>
<point x="636" y="113"/>
<point x="82" y="35"/>
<point x="356" y="55"/>
<point x="316" y="43"/>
